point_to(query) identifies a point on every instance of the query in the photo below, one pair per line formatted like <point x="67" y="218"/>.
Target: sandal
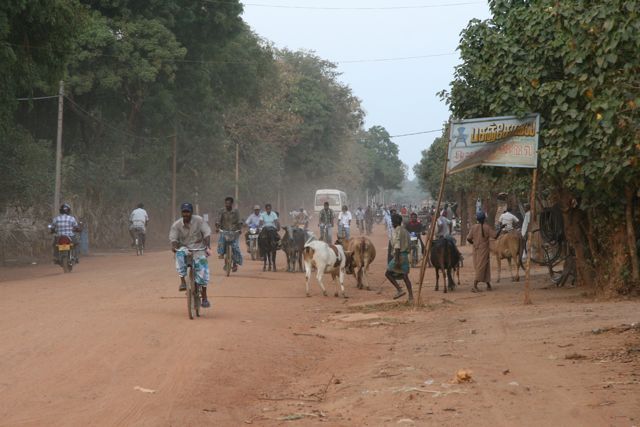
<point x="399" y="294"/>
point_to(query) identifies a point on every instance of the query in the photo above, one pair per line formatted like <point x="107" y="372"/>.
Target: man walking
<point x="479" y="236"/>
<point x="326" y="223"/>
<point x="398" y="267"/>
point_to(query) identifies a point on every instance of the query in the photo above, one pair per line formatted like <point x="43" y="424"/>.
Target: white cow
<point x="323" y="257"/>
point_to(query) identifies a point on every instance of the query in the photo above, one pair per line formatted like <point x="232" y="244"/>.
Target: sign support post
<point x="434" y="219"/>
<point x="532" y="207"/>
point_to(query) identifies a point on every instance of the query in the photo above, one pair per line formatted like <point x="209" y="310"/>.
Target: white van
<point x="336" y="199"/>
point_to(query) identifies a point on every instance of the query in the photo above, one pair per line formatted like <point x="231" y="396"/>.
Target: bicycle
<point x="193" y="289"/>
<point x="229" y="238"/>
<point x="139" y="242"/>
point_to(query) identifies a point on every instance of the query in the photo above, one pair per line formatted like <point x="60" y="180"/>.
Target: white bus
<point x="336" y="199"/>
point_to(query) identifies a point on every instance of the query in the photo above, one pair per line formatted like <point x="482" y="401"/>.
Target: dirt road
<point x="110" y="344"/>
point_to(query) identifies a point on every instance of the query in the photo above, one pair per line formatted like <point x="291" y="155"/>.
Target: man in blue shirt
<point x="65" y="224"/>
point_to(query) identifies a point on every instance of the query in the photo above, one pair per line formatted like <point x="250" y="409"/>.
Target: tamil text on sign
<point x="494" y="141"/>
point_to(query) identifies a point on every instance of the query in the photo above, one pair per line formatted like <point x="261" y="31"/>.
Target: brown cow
<point x="508" y="246"/>
<point x="360" y="254"/>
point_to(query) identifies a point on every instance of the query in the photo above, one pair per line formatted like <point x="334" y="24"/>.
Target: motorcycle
<point x="252" y="237"/>
<point x="414" y="245"/>
<point x="66" y="255"/>
<point x="379" y="216"/>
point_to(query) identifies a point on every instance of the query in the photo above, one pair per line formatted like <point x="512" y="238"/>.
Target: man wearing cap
<point x="479" y="236"/>
<point x="253" y="221"/>
<point x="191" y="234"/>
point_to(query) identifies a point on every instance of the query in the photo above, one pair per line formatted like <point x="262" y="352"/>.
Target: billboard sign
<point x="494" y="141"/>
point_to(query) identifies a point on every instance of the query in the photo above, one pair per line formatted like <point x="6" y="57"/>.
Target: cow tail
<point x="521" y="248"/>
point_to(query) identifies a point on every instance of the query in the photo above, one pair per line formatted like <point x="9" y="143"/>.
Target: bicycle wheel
<point x="190" y="294"/>
<point x="227" y="260"/>
<point x="196" y="299"/>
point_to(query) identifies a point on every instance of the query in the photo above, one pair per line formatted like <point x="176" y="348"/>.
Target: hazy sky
<point x="399" y="94"/>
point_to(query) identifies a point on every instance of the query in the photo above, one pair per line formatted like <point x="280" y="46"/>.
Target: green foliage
<point x="575" y="63"/>
<point x="139" y="73"/>
<point x="385" y="170"/>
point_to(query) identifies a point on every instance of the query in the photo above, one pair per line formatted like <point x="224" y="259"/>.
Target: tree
<point x="576" y="64"/>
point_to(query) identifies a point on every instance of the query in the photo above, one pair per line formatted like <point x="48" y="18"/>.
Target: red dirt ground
<point x="110" y="344"/>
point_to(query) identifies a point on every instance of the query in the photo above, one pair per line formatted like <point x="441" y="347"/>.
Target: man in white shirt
<point x="344" y="223"/>
<point x="508" y="221"/>
<point x="138" y="220"/>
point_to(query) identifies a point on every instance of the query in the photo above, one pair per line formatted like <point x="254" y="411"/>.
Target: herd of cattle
<point x="306" y="253"/>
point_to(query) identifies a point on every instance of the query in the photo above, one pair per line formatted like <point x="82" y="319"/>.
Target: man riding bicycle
<point x="191" y="234"/>
<point x="229" y="220"/>
<point x="138" y="220"/>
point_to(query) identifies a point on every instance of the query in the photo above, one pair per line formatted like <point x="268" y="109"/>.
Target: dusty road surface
<point x="111" y="345"/>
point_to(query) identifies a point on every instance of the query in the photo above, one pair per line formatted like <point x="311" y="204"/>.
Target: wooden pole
<point x="532" y="204"/>
<point x="432" y="230"/>
<point x="174" y="167"/>
<point x="237" y="170"/>
<point x="58" y="185"/>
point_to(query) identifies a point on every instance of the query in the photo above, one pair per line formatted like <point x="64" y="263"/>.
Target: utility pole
<point x="173" y="174"/>
<point x="237" y="169"/>
<point x="56" y="197"/>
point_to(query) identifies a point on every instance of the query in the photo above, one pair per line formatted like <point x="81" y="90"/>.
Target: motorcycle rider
<point x="253" y="221"/>
<point x="138" y="220"/>
<point x="415" y="226"/>
<point x="192" y="234"/>
<point x="229" y="220"/>
<point x="326" y="223"/>
<point x="65" y="224"/>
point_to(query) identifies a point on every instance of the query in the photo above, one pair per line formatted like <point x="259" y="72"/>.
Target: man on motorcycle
<point x="138" y="220"/>
<point x="326" y="223"/>
<point x="253" y="221"/>
<point x="415" y="226"/>
<point x="65" y="224"/>
<point x="192" y="234"/>
<point x="229" y="220"/>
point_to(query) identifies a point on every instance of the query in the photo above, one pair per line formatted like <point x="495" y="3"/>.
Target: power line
<point x="36" y="98"/>
<point x="78" y="108"/>
<point x="416" y="133"/>
<point x="213" y="62"/>
<point x="278" y="6"/>
<point x="398" y="58"/>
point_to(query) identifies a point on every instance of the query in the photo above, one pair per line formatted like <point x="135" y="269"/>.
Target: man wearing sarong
<point x="479" y="236"/>
<point x="398" y="267"/>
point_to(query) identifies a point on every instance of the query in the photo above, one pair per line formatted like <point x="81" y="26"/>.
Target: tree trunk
<point x="631" y="235"/>
<point x="572" y="218"/>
